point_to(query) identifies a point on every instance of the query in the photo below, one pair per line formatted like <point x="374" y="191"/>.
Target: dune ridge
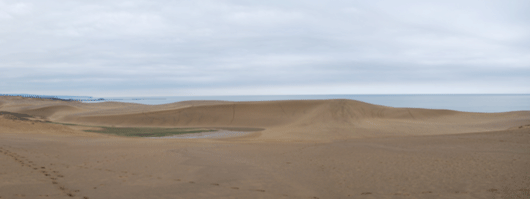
<point x="48" y="112"/>
<point x="310" y="119"/>
<point x="289" y="120"/>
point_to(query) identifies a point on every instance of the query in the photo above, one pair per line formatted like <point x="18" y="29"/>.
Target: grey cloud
<point x="98" y="47"/>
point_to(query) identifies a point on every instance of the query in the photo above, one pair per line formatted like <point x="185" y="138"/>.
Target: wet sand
<point x="207" y="135"/>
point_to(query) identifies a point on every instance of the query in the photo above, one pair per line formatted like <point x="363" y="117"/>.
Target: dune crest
<point x="312" y="119"/>
<point x="291" y="120"/>
<point x="48" y="112"/>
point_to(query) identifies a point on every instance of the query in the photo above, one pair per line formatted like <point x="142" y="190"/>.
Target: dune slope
<point x="48" y="112"/>
<point x="305" y="151"/>
<point x="294" y="120"/>
<point x="314" y="119"/>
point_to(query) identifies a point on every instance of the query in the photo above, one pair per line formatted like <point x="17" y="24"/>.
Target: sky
<point x="288" y="47"/>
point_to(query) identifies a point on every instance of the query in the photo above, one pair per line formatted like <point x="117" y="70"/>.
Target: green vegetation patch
<point x="140" y="131"/>
<point x="147" y="132"/>
<point x="15" y="116"/>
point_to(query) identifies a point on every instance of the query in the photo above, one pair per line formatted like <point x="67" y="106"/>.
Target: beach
<point x="268" y="149"/>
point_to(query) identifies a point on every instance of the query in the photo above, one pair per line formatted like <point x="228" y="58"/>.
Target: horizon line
<point x="157" y="96"/>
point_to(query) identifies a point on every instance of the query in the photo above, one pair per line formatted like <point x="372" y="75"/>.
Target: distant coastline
<point x="54" y="97"/>
<point x="77" y="98"/>
<point x="485" y="103"/>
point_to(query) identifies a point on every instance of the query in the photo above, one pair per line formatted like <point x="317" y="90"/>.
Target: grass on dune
<point x="141" y="131"/>
<point x="146" y="131"/>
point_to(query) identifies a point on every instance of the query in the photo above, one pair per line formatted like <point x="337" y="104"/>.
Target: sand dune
<point x="297" y="120"/>
<point x="254" y="114"/>
<point x="312" y="119"/>
<point x="117" y="108"/>
<point x="47" y="160"/>
<point x="309" y="149"/>
<point x="48" y="112"/>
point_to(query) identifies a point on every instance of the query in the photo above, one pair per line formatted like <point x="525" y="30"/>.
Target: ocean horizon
<point x="486" y="103"/>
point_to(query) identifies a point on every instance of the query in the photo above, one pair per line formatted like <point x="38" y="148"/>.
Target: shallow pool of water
<point x="206" y="135"/>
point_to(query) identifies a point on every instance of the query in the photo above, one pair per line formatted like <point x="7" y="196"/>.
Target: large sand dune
<point x="48" y="112"/>
<point x="308" y="149"/>
<point x="312" y="119"/>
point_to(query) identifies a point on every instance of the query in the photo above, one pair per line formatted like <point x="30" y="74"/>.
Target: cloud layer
<point x="219" y="47"/>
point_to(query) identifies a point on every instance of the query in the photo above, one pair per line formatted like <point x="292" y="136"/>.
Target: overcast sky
<point x="222" y="47"/>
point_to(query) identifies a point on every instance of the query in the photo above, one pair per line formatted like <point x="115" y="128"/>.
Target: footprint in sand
<point x="43" y="170"/>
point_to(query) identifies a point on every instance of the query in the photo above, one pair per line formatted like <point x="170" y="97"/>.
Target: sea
<point x="484" y="103"/>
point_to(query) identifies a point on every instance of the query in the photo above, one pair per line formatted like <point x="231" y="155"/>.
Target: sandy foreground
<point x="308" y="149"/>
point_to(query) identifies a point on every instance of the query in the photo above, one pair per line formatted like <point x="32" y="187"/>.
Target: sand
<point x="308" y="149"/>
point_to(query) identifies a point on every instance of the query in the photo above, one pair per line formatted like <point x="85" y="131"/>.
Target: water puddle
<point x="206" y="135"/>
